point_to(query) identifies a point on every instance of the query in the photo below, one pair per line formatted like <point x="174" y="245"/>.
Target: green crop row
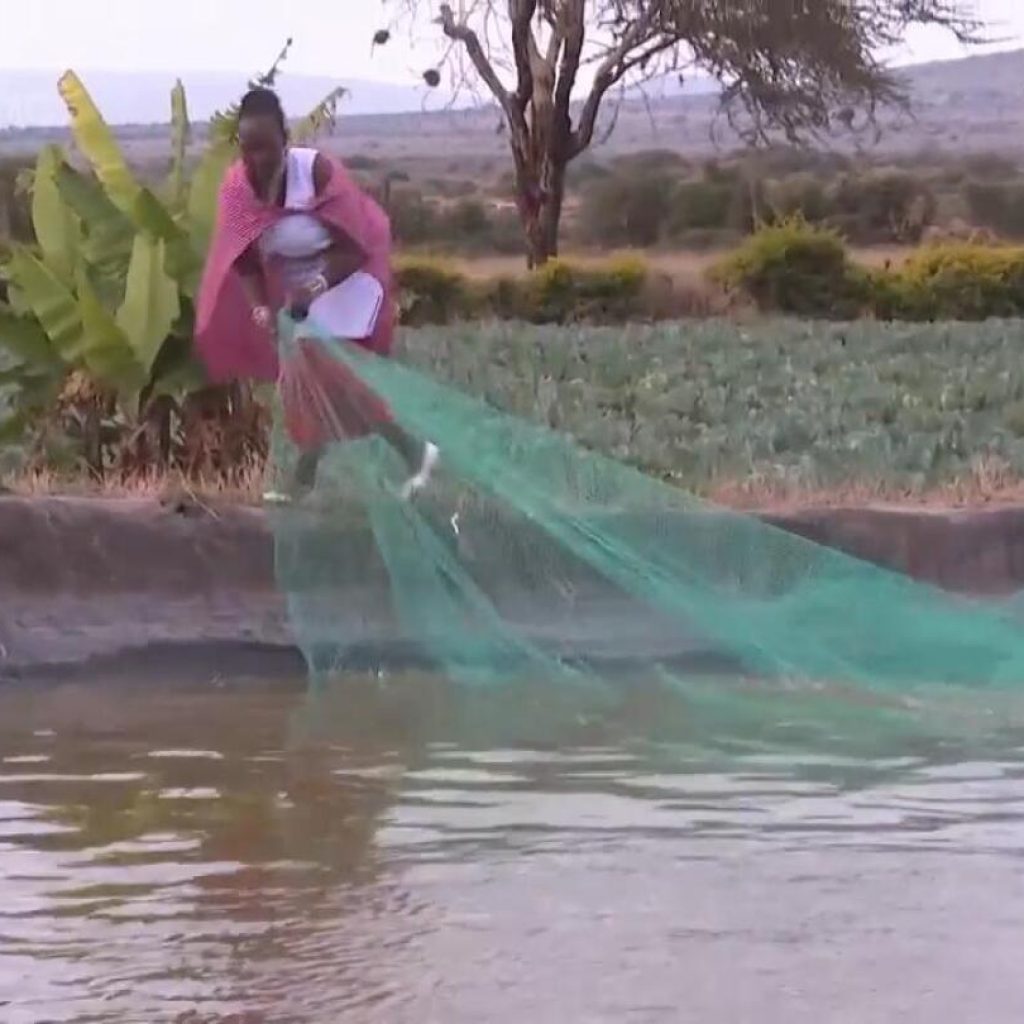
<point x="802" y="403"/>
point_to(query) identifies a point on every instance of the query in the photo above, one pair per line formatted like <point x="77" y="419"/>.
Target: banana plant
<point x="110" y="285"/>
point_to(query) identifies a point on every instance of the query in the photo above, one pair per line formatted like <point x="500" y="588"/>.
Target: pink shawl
<point x="228" y="342"/>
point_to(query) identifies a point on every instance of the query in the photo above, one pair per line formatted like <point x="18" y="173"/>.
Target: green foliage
<point x="701" y="205"/>
<point x="799" y="195"/>
<point x="468" y="224"/>
<point x="794" y="267"/>
<point x="882" y="206"/>
<point x="180" y="133"/>
<point x="784" y="401"/>
<point x="322" y="118"/>
<point x="414" y="221"/>
<point x="106" y="292"/>
<point x="627" y="210"/>
<point x="561" y="292"/>
<point x="431" y="292"/>
<point x="800" y="269"/>
<point x="955" y="282"/>
<point x="224" y="123"/>
<point x="15" y="200"/>
<point x="998" y="205"/>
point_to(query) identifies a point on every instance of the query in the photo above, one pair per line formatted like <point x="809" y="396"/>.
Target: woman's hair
<point x="263" y="103"/>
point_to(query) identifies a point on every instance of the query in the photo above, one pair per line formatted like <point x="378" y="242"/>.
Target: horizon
<point x="387" y="98"/>
<point x="219" y="47"/>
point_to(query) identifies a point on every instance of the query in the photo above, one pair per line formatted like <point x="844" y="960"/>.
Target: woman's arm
<point x="250" y="271"/>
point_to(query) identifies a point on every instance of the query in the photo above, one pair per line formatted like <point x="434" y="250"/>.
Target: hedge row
<point x="432" y="292"/>
<point x="792" y="268"/>
<point x="796" y="268"/>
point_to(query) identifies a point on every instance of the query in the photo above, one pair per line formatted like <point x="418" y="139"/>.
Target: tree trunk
<point x="540" y="210"/>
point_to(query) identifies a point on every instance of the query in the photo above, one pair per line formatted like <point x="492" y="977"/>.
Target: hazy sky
<point x="332" y="37"/>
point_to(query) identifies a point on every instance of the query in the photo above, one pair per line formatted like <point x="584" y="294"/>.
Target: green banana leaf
<point x="202" y="196"/>
<point x="177" y="372"/>
<point x="151" y="302"/>
<point x="54" y="223"/>
<point x="107" y="232"/>
<point x="97" y="143"/>
<point x="109" y="354"/>
<point x="13" y="426"/>
<point x="24" y="338"/>
<point x="323" y="115"/>
<point x="52" y="302"/>
<point x="152" y="217"/>
<point x="180" y="133"/>
<point x="183" y="261"/>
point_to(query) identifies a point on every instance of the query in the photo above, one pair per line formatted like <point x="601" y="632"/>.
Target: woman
<point x="294" y="231"/>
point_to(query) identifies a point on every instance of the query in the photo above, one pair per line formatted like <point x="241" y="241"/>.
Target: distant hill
<point x="28" y="99"/>
<point x="974" y="104"/>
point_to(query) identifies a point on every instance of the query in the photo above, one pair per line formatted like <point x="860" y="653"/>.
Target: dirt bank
<point x="87" y="580"/>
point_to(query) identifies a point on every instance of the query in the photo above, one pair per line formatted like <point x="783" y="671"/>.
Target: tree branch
<point x="610" y="71"/>
<point x="521" y="14"/>
<point x="574" y="31"/>
<point x="462" y="33"/>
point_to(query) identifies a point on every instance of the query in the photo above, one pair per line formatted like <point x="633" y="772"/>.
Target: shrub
<point x="801" y="195"/>
<point x="431" y="292"/>
<point x="701" y="206"/>
<point x="626" y="211"/>
<point x="794" y="267"/>
<point x="997" y="205"/>
<point x="414" y="221"/>
<point x="883" y="206"/>
<point x="958" y="281"/>
<point x="561" y="292"/>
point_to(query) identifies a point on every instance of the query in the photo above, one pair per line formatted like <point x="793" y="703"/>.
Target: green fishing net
<point x="527" y="560"/>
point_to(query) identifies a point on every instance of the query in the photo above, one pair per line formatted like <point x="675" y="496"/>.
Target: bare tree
<point x="789" y="66"/>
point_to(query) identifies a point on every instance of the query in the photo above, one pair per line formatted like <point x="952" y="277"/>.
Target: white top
<point x="296" y="243"/>
<point x="297" y="236"/>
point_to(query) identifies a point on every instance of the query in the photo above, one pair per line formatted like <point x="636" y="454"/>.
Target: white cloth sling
<point x="297" y="242"/>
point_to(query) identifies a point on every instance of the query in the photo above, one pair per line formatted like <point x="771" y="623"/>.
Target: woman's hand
<point x="299" y="302"/>
<point x="263" y="317"/>
<point x="302" y="298"/>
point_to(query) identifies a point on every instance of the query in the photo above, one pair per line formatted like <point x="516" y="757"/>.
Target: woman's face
<point x="262" y="145"/>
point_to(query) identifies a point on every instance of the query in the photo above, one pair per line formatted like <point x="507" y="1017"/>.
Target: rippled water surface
<point x="202" y="854"/>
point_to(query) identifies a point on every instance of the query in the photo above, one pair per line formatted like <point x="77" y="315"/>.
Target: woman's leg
<point x="304" y="478"/>
<point x="345" y="408"/>
<point x="402" y="441"/>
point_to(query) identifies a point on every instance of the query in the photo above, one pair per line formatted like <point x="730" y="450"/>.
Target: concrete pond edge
<point x="179" y="587"/>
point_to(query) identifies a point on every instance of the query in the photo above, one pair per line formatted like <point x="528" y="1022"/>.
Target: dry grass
<point x="683" y="266"/>
<point x="245" y="489"/>
<point x="989" y="483"/>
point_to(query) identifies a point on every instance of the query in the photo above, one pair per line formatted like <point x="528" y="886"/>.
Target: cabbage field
<point x="806" y="404"/>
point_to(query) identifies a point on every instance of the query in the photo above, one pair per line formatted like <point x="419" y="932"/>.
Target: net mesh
<point x="529" y="559"/>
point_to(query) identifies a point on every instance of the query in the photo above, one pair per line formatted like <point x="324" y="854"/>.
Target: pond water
<point x="204" y="854"/>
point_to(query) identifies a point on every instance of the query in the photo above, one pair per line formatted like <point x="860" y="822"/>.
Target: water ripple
<point x="192" y="865"/>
